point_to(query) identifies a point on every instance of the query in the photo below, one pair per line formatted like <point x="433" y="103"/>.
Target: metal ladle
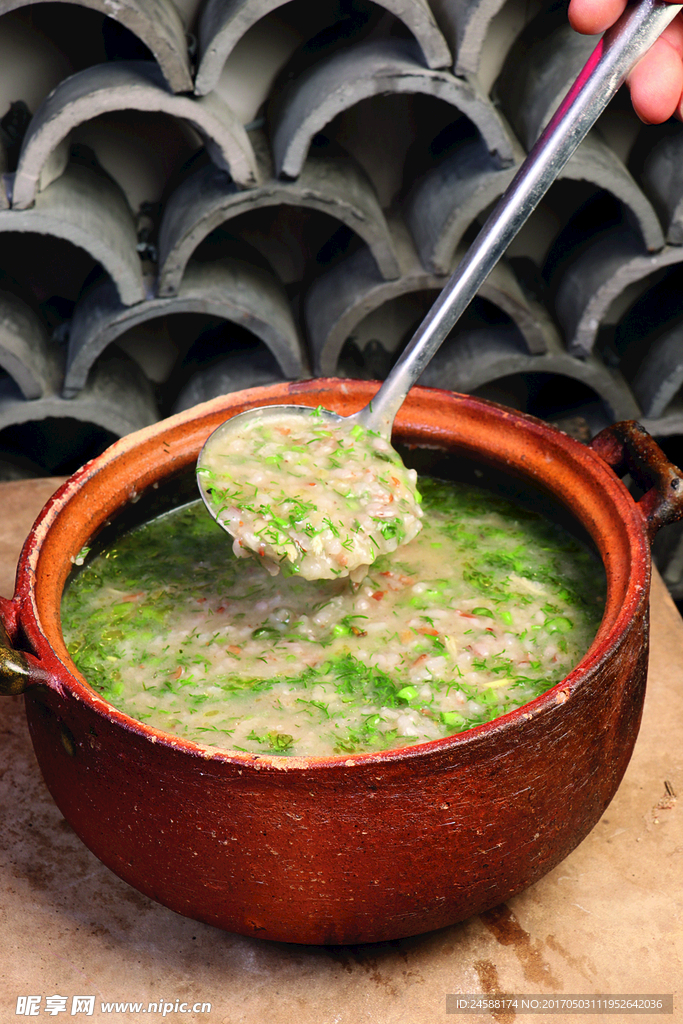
<point x="614" y="57"/>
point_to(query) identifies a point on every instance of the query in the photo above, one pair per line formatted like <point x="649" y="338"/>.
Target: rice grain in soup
<point x="489" y="606"/>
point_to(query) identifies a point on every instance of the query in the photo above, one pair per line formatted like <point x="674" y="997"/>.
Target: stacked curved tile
<point x="438" y="212"/>
<point x="207" y="199"/>
<point x="304" y="176"/>
<point x="539" y="68"/>
<point x="156" y="23"/>
<point x="123" y="85"/>
<point x="339" y="300"/>
<point x="617" y="279"/>
<point x="57" y="197"/>
<point x="617" y="298"/>
<point x="88" y="210"/>
<point x="356" y="287"/>
<point x="223" y="23"/>
<point x="376" y="67"/>
<point x="85" y="208"/>
<point x="77" y="204"/>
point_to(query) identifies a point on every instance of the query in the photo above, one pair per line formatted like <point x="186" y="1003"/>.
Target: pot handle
<point x="18" y="670"/>
<point x="627" y="447"/>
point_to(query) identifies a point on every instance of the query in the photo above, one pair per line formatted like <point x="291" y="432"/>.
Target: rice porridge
<point x="312" y="494"/>
<point x="486" y="608"/>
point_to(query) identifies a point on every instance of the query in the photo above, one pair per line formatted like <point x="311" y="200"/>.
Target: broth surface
<point x="489" y="606"/>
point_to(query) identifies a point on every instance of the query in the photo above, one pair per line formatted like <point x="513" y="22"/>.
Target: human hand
<point x="656" y="82"/>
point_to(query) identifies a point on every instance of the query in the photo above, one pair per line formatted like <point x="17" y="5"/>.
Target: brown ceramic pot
<point x="363" y="847"/>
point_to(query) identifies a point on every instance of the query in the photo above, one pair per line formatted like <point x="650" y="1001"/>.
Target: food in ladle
<point x="308" y="493"/>
<point x="488" y="607"/>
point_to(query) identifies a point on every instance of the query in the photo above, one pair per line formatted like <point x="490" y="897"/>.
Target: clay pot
<point x="359" y="847"/>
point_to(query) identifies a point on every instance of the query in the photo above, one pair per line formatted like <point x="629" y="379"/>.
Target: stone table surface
<point x="608" y="920"/>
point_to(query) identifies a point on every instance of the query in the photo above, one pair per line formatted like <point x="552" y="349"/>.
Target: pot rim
<point x="65" y="677"/>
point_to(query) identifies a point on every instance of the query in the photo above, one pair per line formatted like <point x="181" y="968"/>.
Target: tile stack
<point x="202" y="196"/>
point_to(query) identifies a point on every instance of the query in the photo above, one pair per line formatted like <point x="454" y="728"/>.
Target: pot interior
<point x="440" y="434"/>
<point x="181" y="489"/>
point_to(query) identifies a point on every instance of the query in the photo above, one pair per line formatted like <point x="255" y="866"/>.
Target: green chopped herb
<point x="484" y="611"/>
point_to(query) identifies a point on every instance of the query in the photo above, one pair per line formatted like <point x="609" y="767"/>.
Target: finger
<point x="592" y="16"/>
<point x="656" y="82"/>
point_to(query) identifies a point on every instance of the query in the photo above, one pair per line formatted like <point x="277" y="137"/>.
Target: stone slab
<point x="20" y="502"/>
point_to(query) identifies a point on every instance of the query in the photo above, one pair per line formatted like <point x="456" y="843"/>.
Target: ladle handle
<point x="628" y="448"/>
<point x="613" y="58"/>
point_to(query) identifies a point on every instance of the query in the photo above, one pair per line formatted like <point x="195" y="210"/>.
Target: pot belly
<point x="371" y="849"/>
